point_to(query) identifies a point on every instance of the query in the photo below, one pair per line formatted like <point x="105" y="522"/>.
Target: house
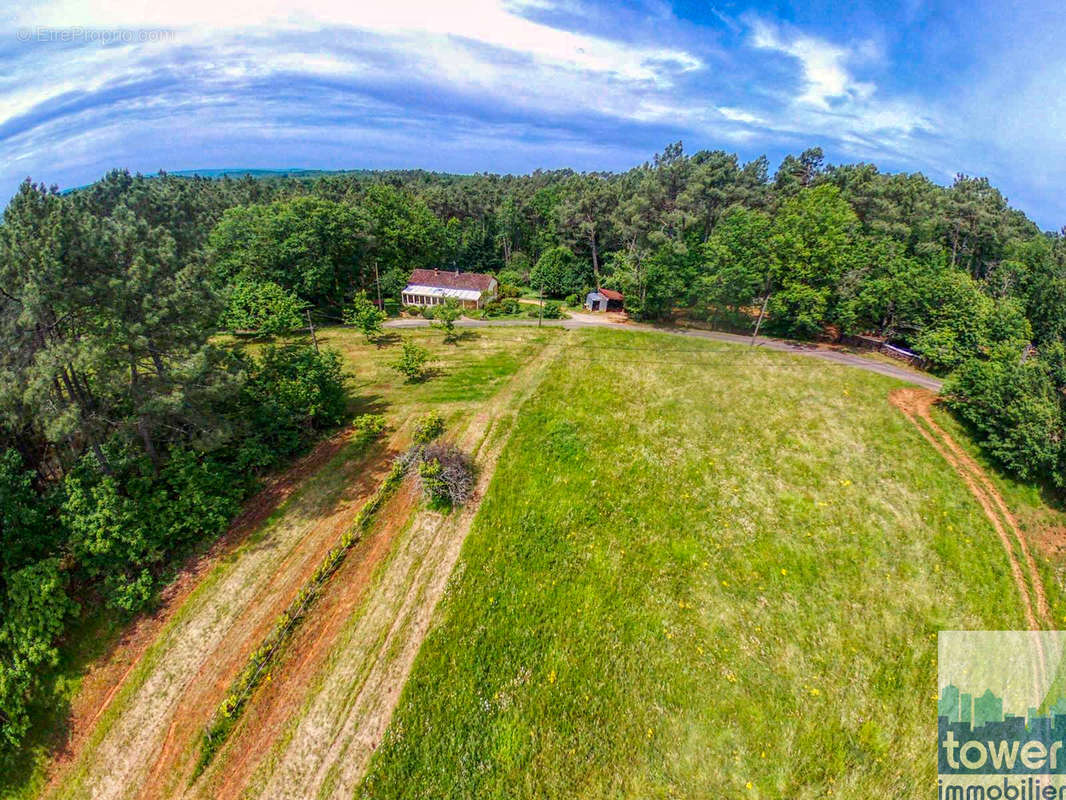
<point x="604" y="300"/>
<point x="433" y="287"/>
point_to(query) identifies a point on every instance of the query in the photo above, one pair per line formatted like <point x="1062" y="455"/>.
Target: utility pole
<point x="762" y="311"/>
<point x="377" y="279"/>
<point x="311" y="325"/>
<point x="540" y="312"/>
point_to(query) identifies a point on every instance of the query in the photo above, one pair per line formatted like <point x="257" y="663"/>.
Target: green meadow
<point x="700" y="571"/>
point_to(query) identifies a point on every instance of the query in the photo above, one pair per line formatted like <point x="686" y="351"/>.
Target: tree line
<point x="953" y="273"/>
<point x="128" y="434"/>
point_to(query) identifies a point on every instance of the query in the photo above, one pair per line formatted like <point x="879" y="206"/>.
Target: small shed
<point x="604" y="300"/>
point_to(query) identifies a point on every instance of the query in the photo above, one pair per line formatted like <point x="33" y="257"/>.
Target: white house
<point x="433" y="287"/>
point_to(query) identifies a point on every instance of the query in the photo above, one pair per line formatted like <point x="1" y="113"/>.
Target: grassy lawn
<point x="462" y="374"/>
<point x="700" y="571"/>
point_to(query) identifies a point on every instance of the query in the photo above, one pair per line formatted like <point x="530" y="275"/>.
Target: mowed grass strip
<point x="700" y="571"/>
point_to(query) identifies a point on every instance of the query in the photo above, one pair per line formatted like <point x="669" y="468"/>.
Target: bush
<point x="411" y="362"/>
<point x="34" y="609"/>
<point x="509" y="277"/>
<point x="1014" y="409"/>
<point x="292" y="393"/>
<point x="124" y="526"/>
<point x="505" y="290"/>
<point x="551" y="310"/>
<point x="501" y="308"/>
<point x="391" y="306"/>
<point x="429" y="428"/>
<point x="369" y="425"/>
<point x="573" y="300"/>
<point x="446" y="475"/>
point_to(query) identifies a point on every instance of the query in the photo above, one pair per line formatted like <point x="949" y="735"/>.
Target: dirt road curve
<point x="915" y="405"/>
<point x="804" y="349"/>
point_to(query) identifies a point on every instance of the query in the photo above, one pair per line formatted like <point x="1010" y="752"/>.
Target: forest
<point x="130" y="432"/>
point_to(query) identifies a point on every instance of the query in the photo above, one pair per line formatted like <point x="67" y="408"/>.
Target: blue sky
<point x="512" y="85"/>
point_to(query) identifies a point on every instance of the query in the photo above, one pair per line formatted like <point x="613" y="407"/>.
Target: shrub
<point x="369" y="425"/>
<point x="446" y="475"/>
<point x="429" y="428"/>
<point x="501" y="308"/>
<point x="509" y="277"/>
<point x="552" y="310"/>
<point x="411" y="362"/>
<point x="506" y="290"/>
<point x="293" y="392"/>
<point x="573" y="300"/>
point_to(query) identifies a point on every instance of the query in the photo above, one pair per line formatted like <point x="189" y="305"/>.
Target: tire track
<point x="915" y="405"/>
<point x="326" y="750"/>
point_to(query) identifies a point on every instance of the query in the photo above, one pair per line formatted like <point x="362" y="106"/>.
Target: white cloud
<point x="825" y="73"/>
<point x="490" y="22"/>
<point x="835" y="103"/>
<point x="740" y="115"/>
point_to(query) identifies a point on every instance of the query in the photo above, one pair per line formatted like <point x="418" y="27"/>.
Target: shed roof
<point x="611" y="294"/>
<point x="452" y="279"/>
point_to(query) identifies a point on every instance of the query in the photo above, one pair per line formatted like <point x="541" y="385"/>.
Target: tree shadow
<point x="464" y="335"/>
<point x="387" y="340"/>
<point x="367" y="404"/>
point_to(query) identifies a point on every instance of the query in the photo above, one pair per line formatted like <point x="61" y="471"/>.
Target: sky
<point x="514" y="85"/>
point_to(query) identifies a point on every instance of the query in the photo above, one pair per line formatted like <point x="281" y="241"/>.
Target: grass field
<point x="700" y="571"/>
<point x="242" y="591"/>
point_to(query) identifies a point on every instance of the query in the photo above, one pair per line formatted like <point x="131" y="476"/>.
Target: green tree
<point x="559" y="273"/>
<point x="411" y="363"/>
<point x="446" y="316"/>
<point x="265" y="308"/>
<point x="1014" y="406"/>
<point x="367" y="317"/>
<point x="34" y="609"/>
<point x="737" y="260"/>
<point x="815" y="244"/>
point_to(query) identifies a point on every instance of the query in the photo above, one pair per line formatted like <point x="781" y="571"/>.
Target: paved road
<point x="814" y="351"/>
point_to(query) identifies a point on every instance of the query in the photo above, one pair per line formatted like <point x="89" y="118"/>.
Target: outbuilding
<point x="604" y="300"/>
<point x="434" y="287"/>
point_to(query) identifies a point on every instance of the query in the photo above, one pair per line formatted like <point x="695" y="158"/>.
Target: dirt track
<point x="146" y="742"/>
<point x="103" y="681"/>
<point x="323" y="749"/>
<point x="915" y="405"/>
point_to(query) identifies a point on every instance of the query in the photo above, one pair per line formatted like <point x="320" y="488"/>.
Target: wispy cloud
<point x="474" y="84"/>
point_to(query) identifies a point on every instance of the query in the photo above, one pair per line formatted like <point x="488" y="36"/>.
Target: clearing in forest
<point x="700" y="570"/>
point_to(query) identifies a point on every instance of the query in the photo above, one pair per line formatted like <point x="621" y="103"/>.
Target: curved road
<point x="579" y="320"/>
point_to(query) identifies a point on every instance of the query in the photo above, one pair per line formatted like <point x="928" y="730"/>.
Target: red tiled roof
<point x="450" y="279"/>
<point x="611" y="294"/>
